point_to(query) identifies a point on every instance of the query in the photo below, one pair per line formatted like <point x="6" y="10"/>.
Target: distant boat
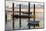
<point x="22" y="16"/>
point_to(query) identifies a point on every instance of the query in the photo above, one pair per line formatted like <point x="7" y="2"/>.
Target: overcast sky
<point x="27" y="0"/>
<point x="24" y="4"/>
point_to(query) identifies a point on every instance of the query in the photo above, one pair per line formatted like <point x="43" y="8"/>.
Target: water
<point x="24" y="21"/>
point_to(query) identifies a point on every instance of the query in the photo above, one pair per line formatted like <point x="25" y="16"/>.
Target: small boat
<point x="32" y="23"/>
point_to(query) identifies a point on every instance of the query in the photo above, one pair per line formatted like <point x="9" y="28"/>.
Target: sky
<point x="27" y="0"/>
<point x="24" y="4"/>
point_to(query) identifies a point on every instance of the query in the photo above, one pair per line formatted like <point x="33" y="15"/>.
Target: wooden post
<point x="20" y="15"/>
<point x="5" y="17"/>
<point x="13" y="15"/>
<point x="29" y="14"/>
<point x="34" y="15"/>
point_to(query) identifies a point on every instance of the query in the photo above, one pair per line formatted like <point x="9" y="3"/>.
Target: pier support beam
<point x="34" y="15"/>
<point x="29" y="14"/>
<point x="5" y="17"/>
<point x="13" y="15"/>
<point x="20" y="15"/>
